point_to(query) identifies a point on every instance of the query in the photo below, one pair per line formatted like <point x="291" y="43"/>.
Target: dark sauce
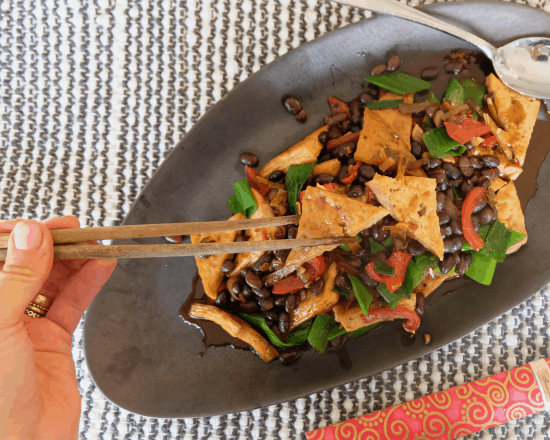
<point x="526" y="185"/>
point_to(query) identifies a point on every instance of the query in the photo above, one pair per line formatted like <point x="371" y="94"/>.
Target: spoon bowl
<point x="523" y="65"/>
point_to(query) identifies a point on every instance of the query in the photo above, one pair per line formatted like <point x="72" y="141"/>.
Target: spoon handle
<point x="400" y="10"/>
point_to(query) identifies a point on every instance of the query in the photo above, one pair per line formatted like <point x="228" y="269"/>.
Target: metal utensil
<point x="523" y="65"/>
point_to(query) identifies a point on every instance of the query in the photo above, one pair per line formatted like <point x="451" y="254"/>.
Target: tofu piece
<point x="311" y="305"/>
<point x="331" y="167"/>
<point x="247" y="259"/>
<point x="497" y="184"/>
<point x="328" y="214"/>
<point x="517" y="114"/>
<point x="510" y="213"/>
<point x="412" y="200"/>
<point x="237" y="328"/>
<point x="210" y="267"/>
<point x="385" y="132"/>
<point x="428" y="285"/>
<point x="508" y="170"/>
<point x="305" y="151"/>
<point x="351" y="318"/>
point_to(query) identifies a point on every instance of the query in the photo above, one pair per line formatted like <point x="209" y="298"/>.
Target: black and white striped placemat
<point x="94" y="93"/>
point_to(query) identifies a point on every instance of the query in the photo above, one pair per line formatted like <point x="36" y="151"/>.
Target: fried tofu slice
<point x="311" y="306"/>
<point x="508" y="169"/>
<point x="517" y="114"/>
<point x="497" y="184"/>
<point x="237" y="328"/>
<point x="384" y="133"/>
<point x="210" y="266"/>
<point x="412" y="200"/>
<point x="509" y="213"/>
<point x="247" y="259"/>
<point x="428" y="285"/>
<point x="327" y="214"/>
<point x="351" y="318"/>
<point x="331" y="167"/>
<point x="305" y="151"/>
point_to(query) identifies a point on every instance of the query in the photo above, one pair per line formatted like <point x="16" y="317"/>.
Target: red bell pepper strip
<point x="489" y="142"/>
<point x="352" y="175"/>
<point x="470" y="202"/>
<point x="387" y="314"/>
<point x="348" y="137"/>
<point x="251" y="174"/>
<point x="338" y="106"/>
<point x="399" y="261"/>
<point x="315" y="267"/>
<point x="370" y="196"/>
<point x="265" y="236"/>
<point x="466" y="130"/>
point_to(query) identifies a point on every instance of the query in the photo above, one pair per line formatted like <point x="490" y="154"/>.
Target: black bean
<point x="447" y="264"/>
<point x="272" y="315"/>
<point x="467" y="171"/>
<point x="334" y="132"/>
<point x="356" y="128"/>
<point x="415" y="248"/>
<point x="381" y="256"/>
<point x="430" y="73"/>
<point x="420" y="301"/>
<point x="281" y="254"/>
<point x="336" y="342"/>
<point x="416" y="149"/>
<point x="262" y="292"/>
<point x="458" y="242"/>
<point x="367" y="171"/>
<point x="454" y="67"/>
<point x="280" y="300"/>
<point x="448" y="230"/>
<point x="440" y="201"/>
<point x="228" y="266"/>
<point x="466" y="187"/>
<point x="240" y="237"/>
<point x="284" y="322"/>
<point x="464" y="263"/>
<point x="292" y="232"/>
<point x="267" y="303"/>
<point x="476" y="163"/>
<point x="475" y="222"/>
<point x="365" y="234"/>
<point x="431" y="111"/>
<point x="449" y="194"/>
<point x="463" y="162"/>
<point x="221" y="300"/>
<point x="366" y="279"/>
<point x="289" y="355"/>
<point x="434" y="163"/>
<point x="486" y="215"/>
<point x="343" y="283"/>
<point x="350" y="147"/>
<point x="490" y="161"/>
<point x="486" y="183"/>
<point x="443" y="218"/>
<point x="323" y="178"/>
<point x="291" y="302"/>
<point x="356" y="111"/>
<point x="379" y="234"/>
<point x="253" y="280"/>
<point x="456" y="226"/>
<point x="452" y="170"/>
<point x="482" y="204"/>
<point x="293" y="105"/>
<point x="448" y="246"/>
<point x="236" y="288"/>
<point x="276" y="176"/>
<point x="249" y="159"/>
<point x="249" y="307"/>
<point x="455" y="183"/>
<point x="366" y="97"/>
<point x="338" y="152"/>
<point x="247" y="292"/>
<point x="346" y="125"/>
<point x="354" y="261"/>
<point x="443" y="232"/>
<point x="302" y="116"/>
<point x="356" y="191"/>
<point x="394" y="63"/>
<point x="475" y="178"/>
<point x="335" y="119"/>
<point x="324" y="137"/>
<point x="490" y="173"/>
<point x="283" y="337"/>
<point x="317" y="286"/>
<point x="378" y="70"/>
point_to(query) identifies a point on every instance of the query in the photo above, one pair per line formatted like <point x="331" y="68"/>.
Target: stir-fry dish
<point x="426" y="188"/>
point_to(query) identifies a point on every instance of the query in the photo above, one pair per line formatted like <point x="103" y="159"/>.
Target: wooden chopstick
<point x="74" y="252"/>
<point x="84" y="235"/>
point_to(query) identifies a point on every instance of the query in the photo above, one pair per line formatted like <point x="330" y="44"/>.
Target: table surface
<point x="94" y="94"/>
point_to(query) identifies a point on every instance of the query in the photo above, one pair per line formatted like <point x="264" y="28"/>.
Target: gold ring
<point x="38" y="307"/>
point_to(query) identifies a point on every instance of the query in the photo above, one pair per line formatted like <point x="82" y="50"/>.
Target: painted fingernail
<point x="27" y="236"/>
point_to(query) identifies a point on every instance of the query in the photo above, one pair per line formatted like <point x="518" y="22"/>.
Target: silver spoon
<point x="523" y="65"/>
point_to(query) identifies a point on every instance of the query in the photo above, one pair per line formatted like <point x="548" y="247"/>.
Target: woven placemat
<point x="93" y="96"/>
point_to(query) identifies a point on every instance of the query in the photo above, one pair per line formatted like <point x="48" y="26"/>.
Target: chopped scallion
<point x="383" y="268"/>
<point x="362" y="294"/>
<point x="296" y="337"/>
<point x="322" y="325"/>
<point x="242" y="200"/>
<point x="383" y="104"/>
<point x="399" y="83"/>
<point x="296" y="176"/>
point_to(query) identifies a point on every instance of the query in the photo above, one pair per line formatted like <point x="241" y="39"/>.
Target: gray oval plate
<point x="145" y="358"/>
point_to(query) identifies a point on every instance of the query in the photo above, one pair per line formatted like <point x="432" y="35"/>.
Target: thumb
<point x="28" y="263"/>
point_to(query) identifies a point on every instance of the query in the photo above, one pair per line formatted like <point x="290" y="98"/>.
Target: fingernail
<point x="27" y="235"/>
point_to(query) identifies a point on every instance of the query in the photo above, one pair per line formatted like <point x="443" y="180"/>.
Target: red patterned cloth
<point x="449" y="414"/>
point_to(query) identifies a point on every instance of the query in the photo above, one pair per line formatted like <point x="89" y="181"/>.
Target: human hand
<point x="39" y="397"/>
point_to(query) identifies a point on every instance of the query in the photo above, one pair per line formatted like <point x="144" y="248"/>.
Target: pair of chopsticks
<point x="62" y="251"/>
